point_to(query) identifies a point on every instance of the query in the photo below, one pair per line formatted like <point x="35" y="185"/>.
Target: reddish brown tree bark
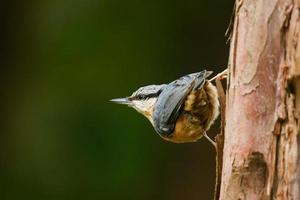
<point x="261" y="145"/>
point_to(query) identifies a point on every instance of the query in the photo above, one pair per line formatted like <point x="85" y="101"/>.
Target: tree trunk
<point x="261" y="145"/>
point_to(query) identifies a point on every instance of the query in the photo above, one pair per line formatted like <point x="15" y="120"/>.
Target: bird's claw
<point x="220" y="76"/>
<point x="210" y="140"/>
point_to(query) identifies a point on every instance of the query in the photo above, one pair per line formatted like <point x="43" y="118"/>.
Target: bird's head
<point x="143" y="100"/>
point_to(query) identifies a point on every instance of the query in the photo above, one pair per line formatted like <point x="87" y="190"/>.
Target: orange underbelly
<point x="186" y="130"/>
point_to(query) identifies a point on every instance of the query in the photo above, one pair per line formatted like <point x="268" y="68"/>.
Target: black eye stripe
<point x="151" y="95"/>
<point x="147" y="92"/>
<point x="145" y="96"/>
<point x="140" y="97"/>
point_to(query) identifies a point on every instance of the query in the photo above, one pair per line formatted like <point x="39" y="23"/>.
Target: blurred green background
<point x="61" y="62"/>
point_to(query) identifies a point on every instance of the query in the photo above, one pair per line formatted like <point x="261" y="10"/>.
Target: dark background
<point x="62" y="60"/>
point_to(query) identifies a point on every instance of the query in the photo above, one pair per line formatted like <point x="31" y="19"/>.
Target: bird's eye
<point x="141" y="97"/>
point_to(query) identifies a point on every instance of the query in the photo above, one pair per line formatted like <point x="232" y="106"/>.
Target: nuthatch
<point x="181" y="111"/>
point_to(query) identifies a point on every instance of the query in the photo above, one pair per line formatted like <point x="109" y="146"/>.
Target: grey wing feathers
<point x="171" y="99"/>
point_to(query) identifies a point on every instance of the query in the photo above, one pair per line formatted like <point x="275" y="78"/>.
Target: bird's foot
<point x="220" y="76"/>
<point x="210" y="140"/>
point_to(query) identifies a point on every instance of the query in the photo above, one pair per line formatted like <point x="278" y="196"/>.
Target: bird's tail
<point x="200" y="79"/>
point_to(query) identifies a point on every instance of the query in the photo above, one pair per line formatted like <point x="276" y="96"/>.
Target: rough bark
<point x="261" y="145"/>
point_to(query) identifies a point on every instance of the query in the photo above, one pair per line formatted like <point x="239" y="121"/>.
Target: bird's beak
<point x="124" y="101"/>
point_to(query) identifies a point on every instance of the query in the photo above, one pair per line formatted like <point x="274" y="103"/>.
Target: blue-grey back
<point x="171" y="99"/>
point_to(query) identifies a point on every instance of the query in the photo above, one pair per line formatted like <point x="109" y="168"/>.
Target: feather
<point x="171" y="99"/>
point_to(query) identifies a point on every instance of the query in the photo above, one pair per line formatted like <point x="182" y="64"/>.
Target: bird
<point x="181" y="111"/>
